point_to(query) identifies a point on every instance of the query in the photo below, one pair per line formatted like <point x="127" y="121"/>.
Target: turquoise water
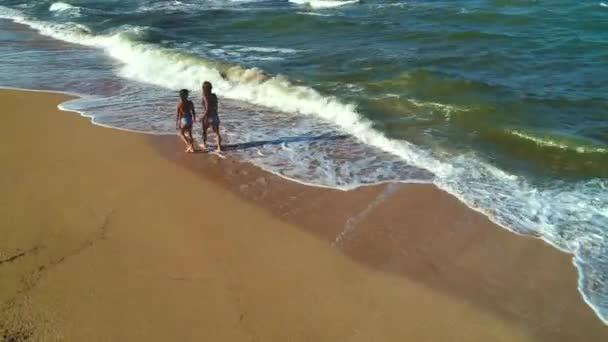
<point x="501" y="103"/>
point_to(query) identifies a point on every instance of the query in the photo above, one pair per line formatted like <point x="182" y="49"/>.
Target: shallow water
<point x="501" y="103"/>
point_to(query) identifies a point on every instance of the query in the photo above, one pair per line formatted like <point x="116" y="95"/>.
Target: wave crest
<point x="324" y="3"/>
<point x="65" y="8"/>
<point x="61" y="6"/>
<point x="561" y="143"/>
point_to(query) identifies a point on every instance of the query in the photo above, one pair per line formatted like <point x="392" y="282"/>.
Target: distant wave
<point x="242" y="53"/>
<point x="447" y="109"/>
<point x="176" y="5"/>
<point x="315" y="14"/>
<point x="559" y="143"/>
<point x="261" y="49"/>
<point x="389" y="5"/>
<point x="324" y="3"/>
<point x="62" y="7"/>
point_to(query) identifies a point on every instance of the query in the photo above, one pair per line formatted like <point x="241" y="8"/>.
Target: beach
<point x="499" y="105"/>
<point x="112" y="235"/>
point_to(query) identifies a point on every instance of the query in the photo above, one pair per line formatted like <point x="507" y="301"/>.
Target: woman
<point x="210" y="117"/>
<point x="184" y="117"/>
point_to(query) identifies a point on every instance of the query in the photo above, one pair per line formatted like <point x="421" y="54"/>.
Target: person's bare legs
<point x="190" y="139"/>
<point x="186" y="139"/>
<point x="182" y="136"/>
<point x="204" y="144"/>
<point x="216" y="130"/>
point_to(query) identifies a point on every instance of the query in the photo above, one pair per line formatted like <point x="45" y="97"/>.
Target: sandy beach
<point x="107" y="235"/>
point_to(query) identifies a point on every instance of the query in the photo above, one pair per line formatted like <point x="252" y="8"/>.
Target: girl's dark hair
<point x="183" y="92"/>
<point x="207" y="87"/>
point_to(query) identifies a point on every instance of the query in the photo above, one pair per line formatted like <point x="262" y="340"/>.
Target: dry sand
<point x="103" y="238"/>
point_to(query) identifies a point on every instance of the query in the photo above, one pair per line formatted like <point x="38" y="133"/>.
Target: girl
<point x="210" y="117"/>
<point x="184" y="117"/>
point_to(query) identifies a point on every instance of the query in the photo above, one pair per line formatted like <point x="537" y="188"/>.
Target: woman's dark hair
<point x="183" y="93"/>
<point x="207" y="87"/>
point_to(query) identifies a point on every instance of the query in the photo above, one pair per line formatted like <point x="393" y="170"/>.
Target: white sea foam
<point x="446" y="109"/>
<point x="65" y="9"/>
<point x="603" y="4"/>
<point x="166" y="6"/>
<point x="389" y="5"/>
<point x="391" y="95"/>
<point x="241" y="53"/>
<point x="555" y="143"/>
<point x="324" y="3"/>
<point x="316" y="14"/>
<point x="61" y="6"/>
<point x="243" y="48"/>
<point x="196" y="5"/>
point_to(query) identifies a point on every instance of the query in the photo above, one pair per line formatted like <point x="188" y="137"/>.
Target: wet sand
<point x="109" y="235"/>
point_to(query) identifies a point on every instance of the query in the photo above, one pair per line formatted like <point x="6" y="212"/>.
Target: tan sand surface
<point x="103" y="238"/>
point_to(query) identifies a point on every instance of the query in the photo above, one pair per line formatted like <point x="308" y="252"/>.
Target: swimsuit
<point x="187" y="119"/>
<point x="211" y="119"/>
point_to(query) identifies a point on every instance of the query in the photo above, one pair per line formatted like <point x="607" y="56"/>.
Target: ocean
<point x="500" y="103"/>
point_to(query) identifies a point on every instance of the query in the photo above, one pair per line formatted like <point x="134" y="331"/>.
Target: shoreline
<point x="92" y="121"/>
<point x="27" y="27"/>
<point x="448" y="262"/>
<point x="163" y="139"/>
